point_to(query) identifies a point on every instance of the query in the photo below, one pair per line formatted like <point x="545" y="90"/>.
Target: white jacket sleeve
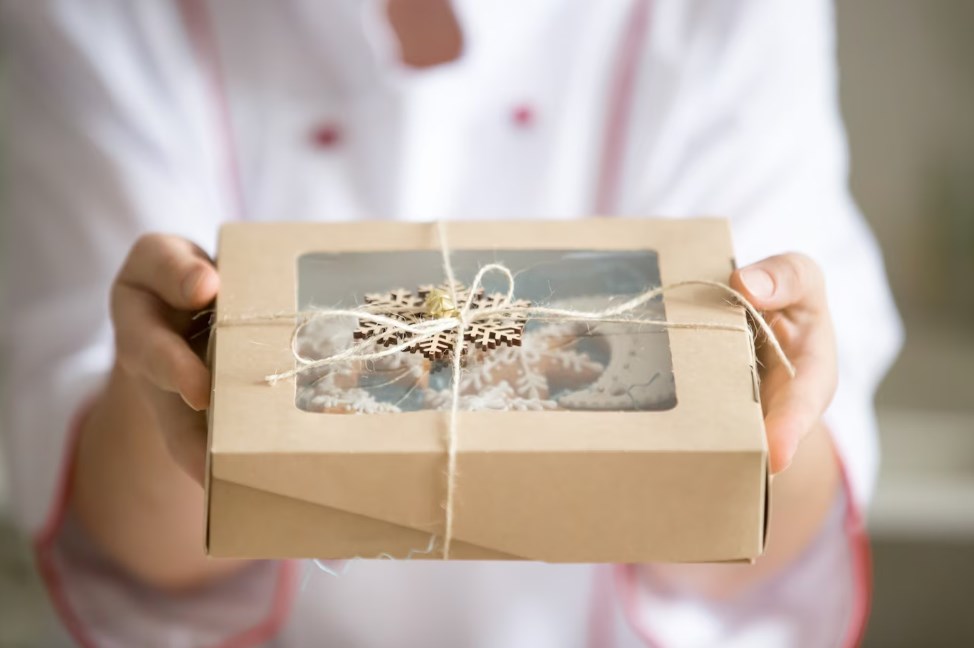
<point x="745" y="123"/>
<point x="108" y="134"/>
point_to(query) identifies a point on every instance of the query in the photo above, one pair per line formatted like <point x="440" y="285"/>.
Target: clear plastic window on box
<point x="559" y="365"/>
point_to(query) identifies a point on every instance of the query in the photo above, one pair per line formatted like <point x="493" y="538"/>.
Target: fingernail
<point x="190" y="405"/>
<point x="191" y="282"/>
<point x="758" y="282"/>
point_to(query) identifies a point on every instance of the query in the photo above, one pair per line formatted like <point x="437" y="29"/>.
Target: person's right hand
<point x="164" y="281"/>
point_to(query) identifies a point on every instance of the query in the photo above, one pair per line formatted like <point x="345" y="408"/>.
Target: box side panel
<point x="614" y="507"/>
<point x="249" y="523"/>
<point x="564" y="507"/>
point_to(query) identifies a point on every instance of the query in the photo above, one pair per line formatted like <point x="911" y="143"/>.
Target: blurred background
<point x="907" y="70"/>
<point x="908" y="98"/>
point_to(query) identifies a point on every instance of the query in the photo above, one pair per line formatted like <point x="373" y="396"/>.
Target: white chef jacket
<point x="126" y="117"/>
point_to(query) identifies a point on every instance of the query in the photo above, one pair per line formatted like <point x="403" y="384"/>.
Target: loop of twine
<point x="426" y="329"/>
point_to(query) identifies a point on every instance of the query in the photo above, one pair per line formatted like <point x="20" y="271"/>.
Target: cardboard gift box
<point x="670" y="466"/>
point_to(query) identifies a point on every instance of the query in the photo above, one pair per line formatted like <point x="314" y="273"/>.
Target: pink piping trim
<point x="860" y="552"/>
<point x="44" y="540"/>
<point x="625" y="580"/>
<point x="601" y="629"/>
<point x="862" y="564"/>
<point x="44" y="555"/>
<point x="620" y="108"/>
<point x="201" y="36"/>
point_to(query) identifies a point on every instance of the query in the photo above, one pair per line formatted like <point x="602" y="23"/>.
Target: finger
<point x="183" y="430"/>
<point x="794" y="406"/>
<point x="173" y="268"/>
<point x="149" y="348"/>
<point x="787" y="281"/>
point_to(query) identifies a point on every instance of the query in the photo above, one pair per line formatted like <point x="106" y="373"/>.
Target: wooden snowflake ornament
<point x="398" y="304"/>
<point x="503" y="328"/>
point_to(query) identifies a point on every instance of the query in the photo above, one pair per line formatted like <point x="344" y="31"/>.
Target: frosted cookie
<point x="499" y="397"/>
<point x="545" y="363"/>
<point x="346" y="401"/>
<point x="342" y="387"/>
<point x="638" y="373"/>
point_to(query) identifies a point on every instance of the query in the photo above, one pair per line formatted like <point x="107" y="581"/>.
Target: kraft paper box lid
<point x="686" y="484"/>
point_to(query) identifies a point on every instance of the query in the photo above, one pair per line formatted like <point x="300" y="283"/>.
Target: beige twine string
<point x="466" y="314"/>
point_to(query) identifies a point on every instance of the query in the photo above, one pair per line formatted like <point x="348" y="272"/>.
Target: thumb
<point x="787" y="281"/>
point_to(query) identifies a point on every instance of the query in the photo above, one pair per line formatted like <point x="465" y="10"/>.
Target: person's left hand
<point x="790" y="289"/>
